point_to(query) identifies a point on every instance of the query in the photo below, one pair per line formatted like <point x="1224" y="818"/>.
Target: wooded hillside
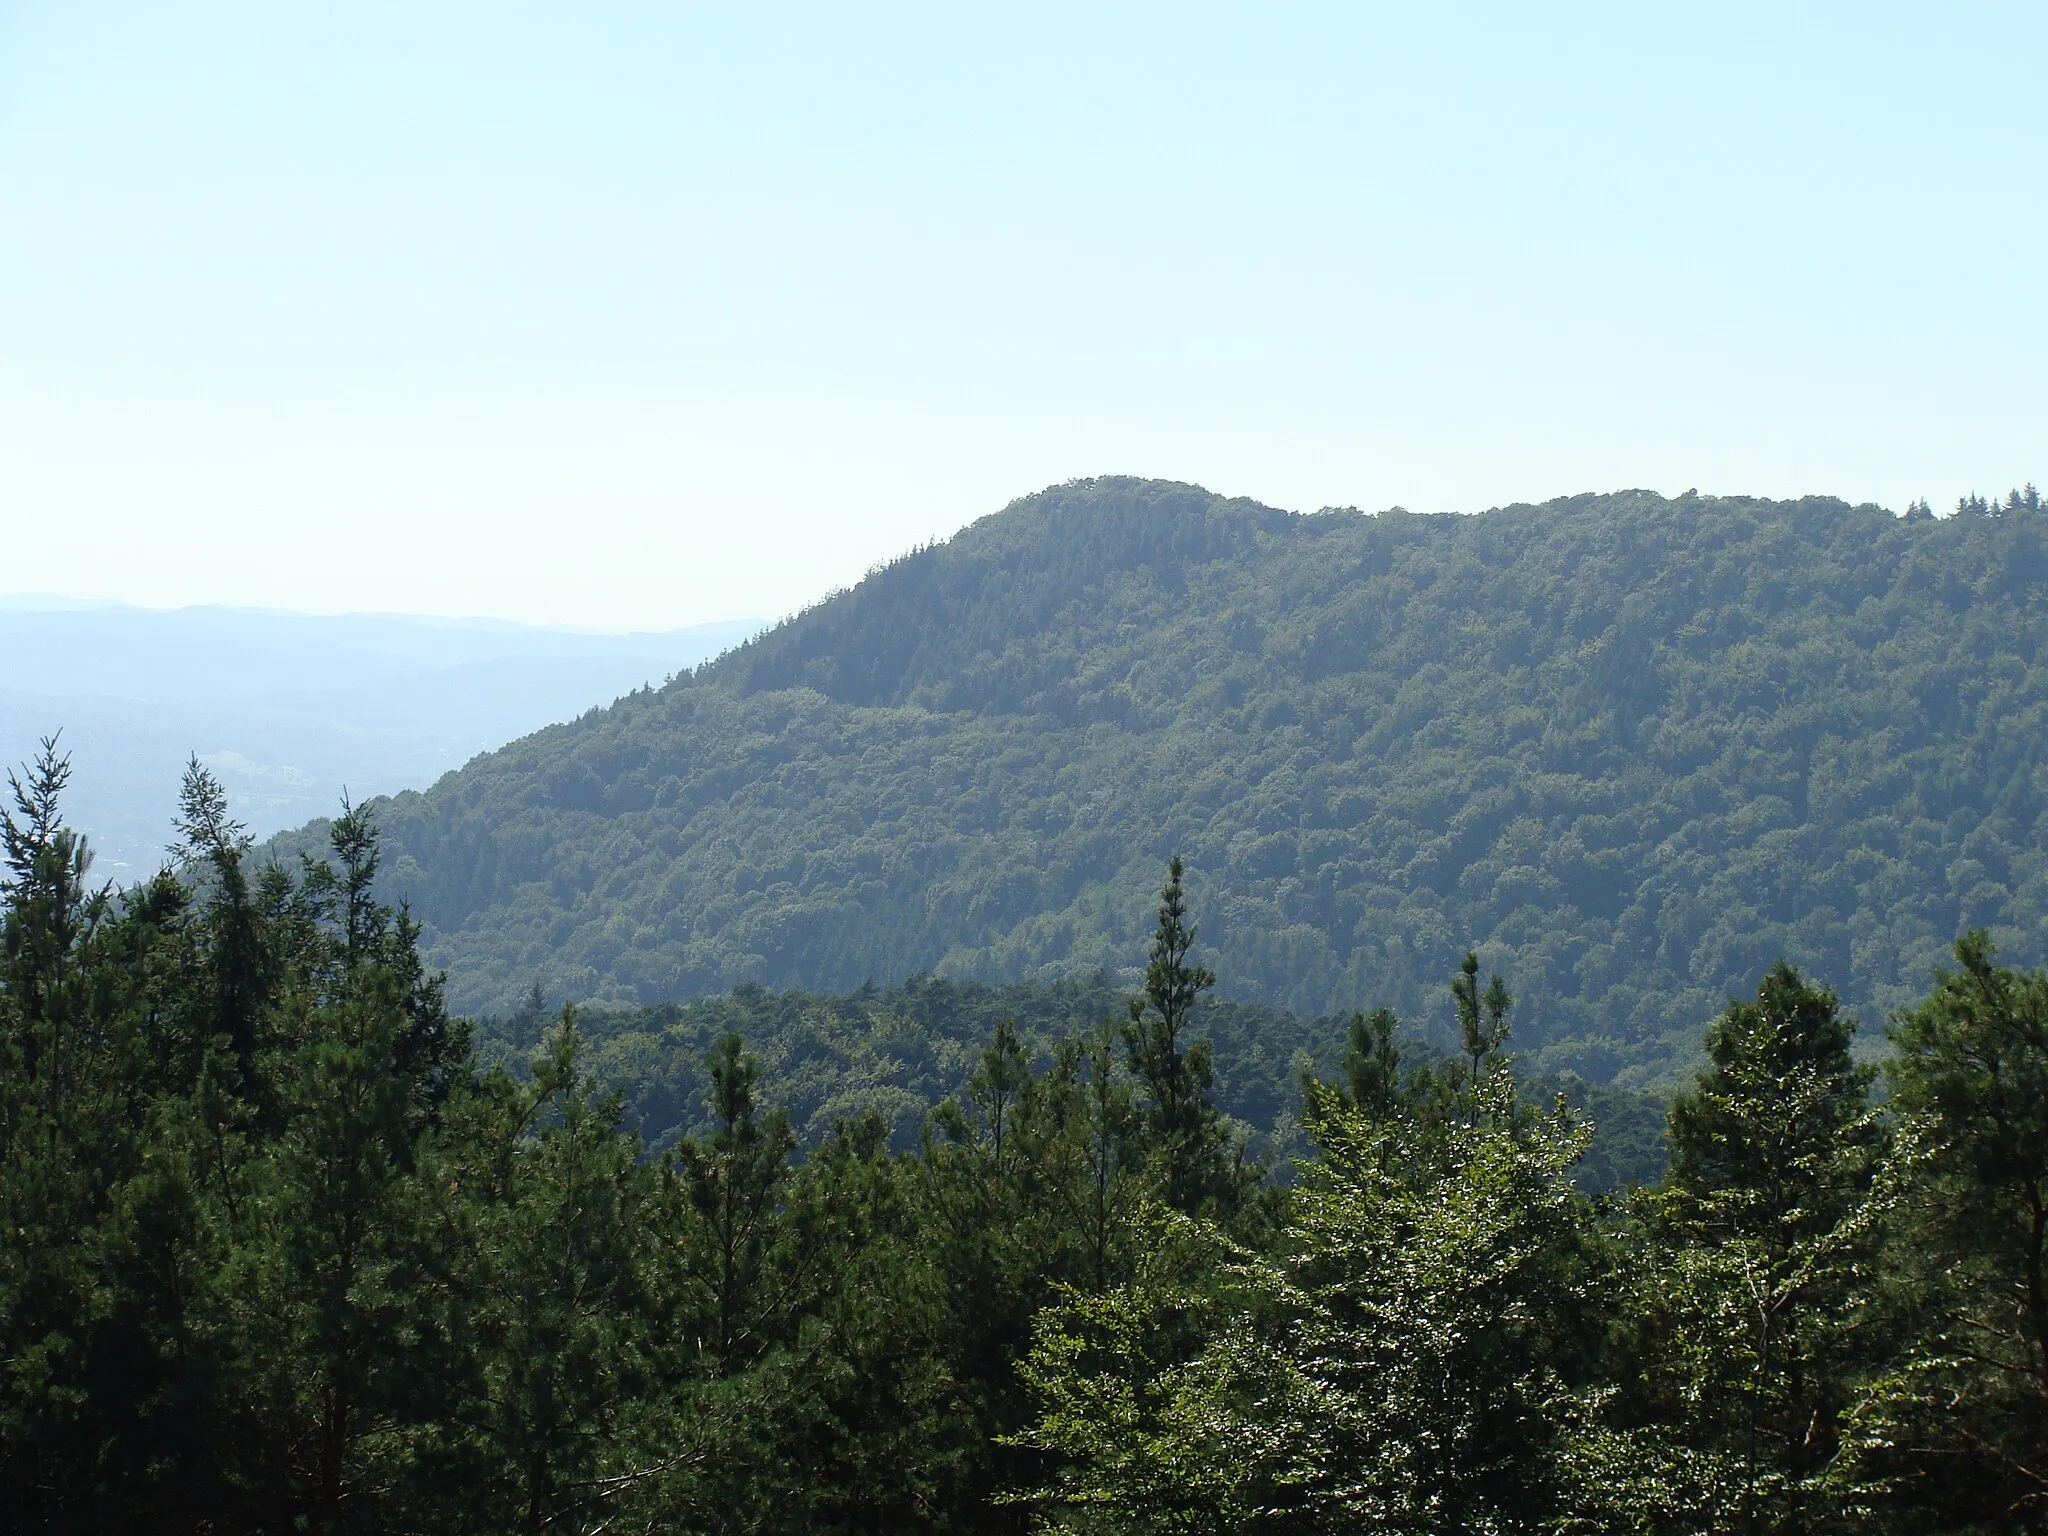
<point x="1633" y="749"/>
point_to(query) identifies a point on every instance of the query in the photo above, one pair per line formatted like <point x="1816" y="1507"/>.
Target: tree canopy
<point x="286" y="1251"/>
<point x="1630" y="749"/>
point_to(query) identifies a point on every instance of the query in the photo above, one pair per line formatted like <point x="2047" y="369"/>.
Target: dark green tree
<point x="238" y="962"/>
<point x="1202" y="1171"/>
<point x="1752" y="1305"/>
<point x="735" y="1180"/>
<point x="1032" y="1191"/>
<point x="105" y="1268"/>
<point x="326" y="1212"/>
<point x="1174" y="1072"/>
<point x="1955" y="1431"/>
<point x="1372" y="1065"/>
<point x="1482" y="1016"/>
<point x="61" y="1157"/>
<point x="882" y="1433"/>
<point x="1096" y="1164"/>
<point x="558" y="1303"/>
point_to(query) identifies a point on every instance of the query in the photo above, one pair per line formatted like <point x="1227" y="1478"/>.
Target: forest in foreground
<point x="283" y="1251"/>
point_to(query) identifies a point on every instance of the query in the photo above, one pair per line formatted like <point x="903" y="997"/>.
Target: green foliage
<point x="1632" y="750"/>
<point x="901" y="1051"/>
<point x="94" y="1347"/>
<point x="1393" y="1367"/>
<point x="734" y="1182"/>
<point x="282" y="1256"/>
<point x="1482" y="1020"/>
<point x="1372" y="1064"/>
<point x="553" y="1302"/>
<point x="1749" y="1313"/>
<point x="895" y="1052"/>
<point x="1954" y="1431"/>
<point x="1201" y="1169"/>
<point x="284" y="1251"/>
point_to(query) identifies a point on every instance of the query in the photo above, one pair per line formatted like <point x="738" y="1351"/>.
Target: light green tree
<point x="1396" y="1366"/>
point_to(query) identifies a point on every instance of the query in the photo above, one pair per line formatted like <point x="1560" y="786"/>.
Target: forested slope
<point x="897" y="1053"/>
<point x="1633" y="749"/>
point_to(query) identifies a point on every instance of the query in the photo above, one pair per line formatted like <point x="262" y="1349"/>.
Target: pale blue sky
<point x="622" y="314"/>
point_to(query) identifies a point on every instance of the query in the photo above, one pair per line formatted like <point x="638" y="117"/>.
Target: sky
<point x="636" y="316"/>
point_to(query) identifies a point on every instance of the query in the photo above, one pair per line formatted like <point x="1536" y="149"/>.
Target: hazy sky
<point x="620" y="314"/>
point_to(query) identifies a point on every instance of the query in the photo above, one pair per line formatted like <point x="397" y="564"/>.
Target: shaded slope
<point x="1634" y="748"/>
<point x="898" y="1052"/>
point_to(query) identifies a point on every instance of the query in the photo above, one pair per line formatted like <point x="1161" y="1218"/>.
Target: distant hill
<point x="290" y="708"/>
<point x="1632" y="748"/>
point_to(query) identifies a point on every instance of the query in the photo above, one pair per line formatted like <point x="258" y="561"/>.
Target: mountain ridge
<point x="1633" y="748"/>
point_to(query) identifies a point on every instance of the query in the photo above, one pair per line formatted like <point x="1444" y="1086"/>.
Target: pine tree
<point x="356" y="1055"/>
<point x="1745" y="1336"/>
<point x="1200" y="1170"/>
<point x="57" y="1160"/>
<point x="103" y="1276"/>
<point x="1175" y="1073"/>
<point x="735" y="1181"/>
<point x="1095" y="1163"/>
<point x="1482" y="1017"/>
<point x="562" y="1306"/>
<point x="1372" y="1065"/>
<point x="239" y="962"/>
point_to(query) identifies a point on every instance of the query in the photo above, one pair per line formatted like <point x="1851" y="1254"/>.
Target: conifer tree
<point x="987" y="1228"/>
<point x="238" y="961"/>
<point x="1096" y="1162"/>
<point x="1175" y="1073"/>
<point x="735" y="1181"/>
<point x="57" y="1159"/>
<point x="326" y="1213"/>
<point x="1372" y="1064"/>
<point x="1199" y="1169"/>
<point x="1747" y="1328"/>
<point x="1482" y="1017"/>
<point x="102" y="1272"/>
<point x="562" y="1303"/>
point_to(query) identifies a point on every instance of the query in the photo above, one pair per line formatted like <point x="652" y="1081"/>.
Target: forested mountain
<point x="1633" y="749"/>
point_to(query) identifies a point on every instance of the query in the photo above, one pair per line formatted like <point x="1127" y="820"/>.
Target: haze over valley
<point x="290" y="710"/>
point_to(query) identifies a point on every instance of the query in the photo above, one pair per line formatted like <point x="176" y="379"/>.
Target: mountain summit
<point x="1632" y="748"/>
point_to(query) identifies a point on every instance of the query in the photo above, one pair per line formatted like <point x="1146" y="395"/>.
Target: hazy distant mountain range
<point x="290" y="708"/>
